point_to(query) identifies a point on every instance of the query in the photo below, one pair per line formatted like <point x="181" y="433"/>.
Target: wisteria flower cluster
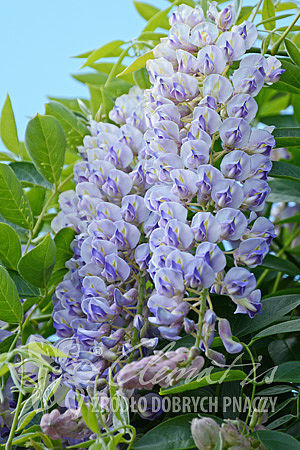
<point x="167" y="210"/>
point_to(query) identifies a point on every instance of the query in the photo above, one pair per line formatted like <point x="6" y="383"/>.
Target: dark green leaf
<point x="282" y="169"/>
<point x="28" y="175"/>
<point x="6" y="343"/>
<point x="71" y="103"/>
<point x="275" y="440"/>
<point x="8" y="128"/>
<point x="292" y="50"/>
<point x="284" y="191"/>
<point x="14" y="205"/>
<point x="287" y="137"/>
<point x="36" y="196"/>
<point x="280" y="389"/>
<point x="280" y="265"/>
<point x="36" y="266"/>
<point x="273" y="309"/>
<point x="283" y="350"/>
<point x="289" y="326"/>
<point x="104" y="51"/>
<point x="173" y="434"/>
<point x="25" y="290"/>
<point x="10" y="246"/>
<point x="46" y="143"/>
<point x="74" y="129"/>
<point x="62" y="242"/>
<point x="280" y="120"/>
<point x="213" y="378"/>
<point x="10" y="305"/>
<point x="293" y="219"/>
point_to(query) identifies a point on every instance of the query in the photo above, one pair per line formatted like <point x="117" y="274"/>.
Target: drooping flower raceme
<point x="160" y="196"/>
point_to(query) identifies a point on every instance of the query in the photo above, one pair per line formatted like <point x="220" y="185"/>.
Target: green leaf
<point x="244" y="14"/>
<point x="148" y="11"/>
<point x="290" y="79"/>
<point x="280" y="120"/>
<point x="268" y="11"/>
<point x="172" y="434"/>
<point x="8" y="128"/>
<point x="71" y="103"/>
<point x="107" y="104"/>
<point x="46" y="144"/>
<point x="116" y="87"/>
<point x="283" y="6"/>
<point x="284" y="191"/>
<point x="213" y="378"/>
<point x="62" y="241"/>
<point x="10" y="305"/>
<point x="88" y="415"/>
<point x="287" y="137"/>
<point x="36" y="196"/>
<point x="292" y="50"/>
<point x="25" y="290"/>
<point x="10" y="246"/>
<point x="275" y="440"/>
<point x="287" y="372"/>
<point x="105" y="50"/>
<point x="14" y="205"/>
<point x="159" y="18"/>
<point x="28" y="175"/>
<point x="137" y="63"/>
<point x="45" y="349"/>
<point x="296" y="107"/>
<point x="282" y="169"/>
<point x="273" y="309"/>
<point x="283" y="350"/>
<point x="273" y="18"/>
<point x="280" y="265"/>
<point x="289" y="326"/>
<point x="7" y="156"/>
<point x="73" y="128"/>
<point x="36" y="266"/>
<point x="141" y="78"/>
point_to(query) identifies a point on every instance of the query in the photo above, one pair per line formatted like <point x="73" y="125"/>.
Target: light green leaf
<point x="283" y="6"/>
<point x="159" y="18"/>
<point x="289" y="326"/>
<point x="273" y="309"/>
<point x="268" y="11"/>
<point x="10" y="246"/>
<point x="7" y="156"/>
<point x="107" y="104"/>
<point x="96" y="79"/>
<point x="28" y="175"/>
<point x="36" y="266"/>
<point x="14" y="205"/>
<point x="45" y="349"/>
<point x="46" y="144"/>
<point x="62" y="241"/>
<point x="147" y="11"/>
<point x="275" y="440"/>
<point x="88" y="415"/>
<point x="213" y="378"/>
<point x="73" y="128"/>
<point x="10" y="305"/>
<point x="8" y="128"/>
<point x="105" y="50"/>
<point x="141" y="78"/>
<point x="273" y="18"/>
<point x="137" y="63"/>
<point x="292" y="50"/>
<point x="172" y="434"/>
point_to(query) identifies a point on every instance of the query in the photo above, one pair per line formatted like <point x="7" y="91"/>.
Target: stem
<point x="256" y="10"/>
<point x="139" y="309"/>
<point x="277" y="43"/>
<point x="254" y="385"/>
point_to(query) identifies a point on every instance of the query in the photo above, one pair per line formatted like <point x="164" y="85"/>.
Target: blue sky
<point x="39" y="37"/>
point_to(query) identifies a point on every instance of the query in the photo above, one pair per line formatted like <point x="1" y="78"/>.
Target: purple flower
<point x="172" y="210"/>
<point x="178" y="260"/>
<point x="134" y="209"/>
<point x="188" y="15"/>
<point x="213" y="255"/>
<point x="262" y="228"/>
<point x="226" y="336"/>
<point x="224" y="19"/>
<point x="169" y="282"/>
<point x="261" y="141"/>
<point x="260" y="166"/>
<point x="207" y="119"/>
<point x="187" y="63"/>
<point x="235" y="133"/>
<point x="249" y="304"/>
<point x="218" y="87"/>
<point x="97" y="309"/>
<point x="233" y="223"/>
<point x="208" y="176"/>
<point x="126" y="235"/>
<point x="159" y="67"/>
<point x="184" y="183"/>
<point x="180" y="38"/>
<point x="117" y="184"/>
<point x="273" y="70"/>
<point x="242" y="106"/>
<point x="255" y="194"/>
<point x="247" y="80"/>
<point x="199" y="274"/>
<point x="232" y="45"/>
<point x="115" y="269"/>
<point x="236" y="164"/>
<point x="205" y="227"/>
<point x="238" y="283"/>
<point x="251" y="252"/>
<point x="248" y="32"/>
<point x="211" y="59"/>
<point x="227" y="193"/>
<point x="204" y="34"/>
<point x="142" y="256"/>
<point x="178" y="234"/>
<point x="194" y="153"/>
